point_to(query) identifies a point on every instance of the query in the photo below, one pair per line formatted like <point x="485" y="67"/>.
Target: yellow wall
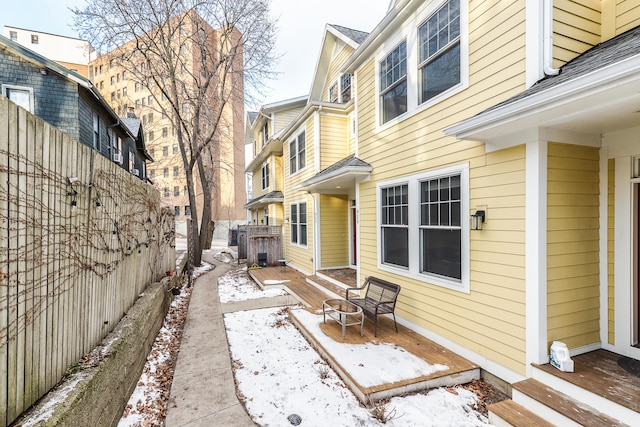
<point x="334" y="141"/>
<point x="283" y="118"/>
<point x="611" y="172"/>
<point x="490" y="320"/>
<point x="334" y="230"/>
<point x="301" y="257"/>
<point x="580" y="25"/>
<point x="573" y="296"/>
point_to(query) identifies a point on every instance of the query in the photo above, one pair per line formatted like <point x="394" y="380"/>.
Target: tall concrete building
<point x="130" y="91"/>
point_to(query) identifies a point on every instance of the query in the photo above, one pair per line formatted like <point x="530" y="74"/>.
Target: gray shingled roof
<point x="604" y="54"/>
<point x="355" y="35"/>
<point x="132" y="124"/>
<point x="274" y="196"/>
<point x="350" y="161"/>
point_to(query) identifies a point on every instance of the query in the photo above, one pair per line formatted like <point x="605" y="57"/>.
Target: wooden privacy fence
<point x="260" y="239"/>
<point x="80" y="239"/>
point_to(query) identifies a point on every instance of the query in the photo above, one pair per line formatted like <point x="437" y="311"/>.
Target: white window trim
<point x="409" y="32"/>
<point x="306" y="148"/>
<point x="262" y="176"/>
<point x="24" y="88"/>
<point x="413" y="271"/>
<point x="298" y="202"/>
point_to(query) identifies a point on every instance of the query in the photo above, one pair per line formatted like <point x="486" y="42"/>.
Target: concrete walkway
<point x="203" y="391"/>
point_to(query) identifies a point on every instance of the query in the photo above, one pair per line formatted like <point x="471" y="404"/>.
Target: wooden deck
<point x="598" y="371"/>
<point x="460" y="370"/>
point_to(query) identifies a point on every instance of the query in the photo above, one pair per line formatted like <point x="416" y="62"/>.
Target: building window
<point x="176" y="171"/>
<point x="113" y="96"/>
<point x="34" y="39"/>
<point x="187" y="210"/>
<point x="136" y="87"/>
<point x="176" y="191"/>
<point x="132" y="161"/>
<point x="265" y="176"/>
<point x="13" y="35"/>
<point x="151" y="135"/>
<point x="422" y="232"/>
<point x="299" y="223"/>
<point x="113" y="80"/>
<point x="150" y="118"/>
<point x="124" y="91"/>
<point x="165" y="133"/>
<point x="152" y="152"/>
<point x="345" y="87"/>
<point x="20" y="95"/>
<point x="393" y="83"/>
<point x="124" y="75"/>
<point x="165" y="172"/>
<point x="176" y="210"/>
<point x="165" y="150"/>
<point x="166" y="192"/>
<point x="440" y="227"/>
<point x="150" y="100"/>
<point x="96" y="130"/>
<point x="333" y="92"/>
<point x="439" y="51"/>
<point x="100" y="69"/>
<point x="118" y="77"/>
<point x="265" y="134"/>
<point x="152" y="173"/>
<point x="394" y="214"/>
<point x="297" y="154"/>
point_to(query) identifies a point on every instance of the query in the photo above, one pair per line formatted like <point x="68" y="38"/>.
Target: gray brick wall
<point x="55" y="97"/>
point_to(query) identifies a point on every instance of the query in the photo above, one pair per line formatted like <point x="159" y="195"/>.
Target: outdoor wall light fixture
<point x="477" y="220"/>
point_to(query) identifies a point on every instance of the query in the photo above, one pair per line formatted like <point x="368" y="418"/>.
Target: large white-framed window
<point x="265" y="176"/>
<point x="393" y="83"/>
<point x="436" y="46"/>
<point x="297" y="153"/>
<point x="423" y="227"/>
<point x="20" y="95"/>
<point x="345" y="87"/>
<point x="439" y="51"/>
<point x="298" y="223"/>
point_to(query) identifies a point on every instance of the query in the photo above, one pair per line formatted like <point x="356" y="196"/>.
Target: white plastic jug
<point x="559" y="357"/>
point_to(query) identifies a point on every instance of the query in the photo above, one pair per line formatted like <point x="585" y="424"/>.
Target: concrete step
<point x="559" y="408"/>
<point x="510" y="414"/>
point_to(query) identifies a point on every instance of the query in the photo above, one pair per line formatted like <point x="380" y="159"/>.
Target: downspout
<point x="316" y="237"/>
<point x="547" y="41"/>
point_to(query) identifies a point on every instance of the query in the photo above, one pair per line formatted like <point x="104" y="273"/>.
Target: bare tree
<point x="198" y="59"/>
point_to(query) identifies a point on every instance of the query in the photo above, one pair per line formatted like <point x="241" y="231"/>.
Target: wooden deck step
<point x="557" y="407"/>
<point x="327" y="286"/>
<point x="510" y="414"/>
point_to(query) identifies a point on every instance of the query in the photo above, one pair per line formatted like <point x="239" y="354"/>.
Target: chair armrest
<point x="353" y="289"/>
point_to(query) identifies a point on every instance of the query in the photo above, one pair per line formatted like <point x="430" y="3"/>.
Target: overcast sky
<point x="301" y="24"/>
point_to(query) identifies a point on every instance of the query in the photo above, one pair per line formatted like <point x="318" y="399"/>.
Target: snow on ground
<point x="280" y="374"/>
<point x="236" y="285"/>
<point x="371" y="363"/>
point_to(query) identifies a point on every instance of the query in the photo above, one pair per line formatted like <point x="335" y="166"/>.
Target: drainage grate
<point x="294" y="419"/>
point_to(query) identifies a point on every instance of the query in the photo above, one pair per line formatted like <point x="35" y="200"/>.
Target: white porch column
<point x="536" y="253"/>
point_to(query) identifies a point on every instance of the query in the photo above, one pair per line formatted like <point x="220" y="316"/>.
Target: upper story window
<point x="265" y="133"/>
<point x="297" y="154"/>
<point x="265" y="176"/>
<point x="393" y="83"/>
<point x="439" y="51"/>
<point x="20" y="95"/>
<point x="34" y="39"/>
<point x="345" y="87"/>
<point x="13" y="35"/>
<point x="96" y="130"/>
<point x="333" y="92"/>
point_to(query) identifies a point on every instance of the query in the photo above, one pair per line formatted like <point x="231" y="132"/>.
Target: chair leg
<point x="394" y="322"/>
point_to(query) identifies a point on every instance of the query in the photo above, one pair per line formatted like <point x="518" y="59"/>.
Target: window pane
<point x="394" y="102"/>
<point x="442" y="73"/>
<point x="441" y="252"/>
<point x="303" y="234"/>
<point x="395" y="246"/>
<point x="303" y="213"/>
